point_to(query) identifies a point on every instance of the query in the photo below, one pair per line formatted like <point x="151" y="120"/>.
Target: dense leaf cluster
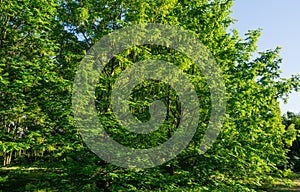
<point x="41" y="45"/>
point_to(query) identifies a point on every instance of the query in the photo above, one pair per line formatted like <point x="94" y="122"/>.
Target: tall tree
<point x="252" y="140"/>
<point x="43" y="56"/>
<point x="33" y="105"/>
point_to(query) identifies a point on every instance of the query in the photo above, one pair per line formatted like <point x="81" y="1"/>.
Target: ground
<point x="35" y="179"/>
<point x="283" y="188"/>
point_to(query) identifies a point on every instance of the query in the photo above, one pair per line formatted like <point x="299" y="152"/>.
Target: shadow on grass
<point x="31" y="180"/>
<point x="41" y="180"/>
<point x="295" y="186"/>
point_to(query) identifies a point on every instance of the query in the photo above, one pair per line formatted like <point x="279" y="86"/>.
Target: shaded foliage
<point x="292" y="125"/>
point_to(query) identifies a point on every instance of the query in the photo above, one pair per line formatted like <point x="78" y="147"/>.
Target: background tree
<point x="292" y="126"/>
<point x="34" y="114"/>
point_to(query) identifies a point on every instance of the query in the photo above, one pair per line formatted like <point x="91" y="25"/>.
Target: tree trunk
<point x="7" y="158"/>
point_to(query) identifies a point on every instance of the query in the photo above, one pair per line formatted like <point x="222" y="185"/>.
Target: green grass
<point x="37" y="179"/>
<point x="282" y="187"/>
<point x="49" y="179"/>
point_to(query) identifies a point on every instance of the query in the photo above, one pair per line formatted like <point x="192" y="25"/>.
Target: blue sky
<point x="280" y="21"/>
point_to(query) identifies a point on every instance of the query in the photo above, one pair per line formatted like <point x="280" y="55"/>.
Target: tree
<point x="33" y="113"/>
<point x="292" y="126"/>
<point x="250" y="145"/>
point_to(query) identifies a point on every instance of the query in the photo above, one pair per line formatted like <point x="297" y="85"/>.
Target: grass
<point x="281" y="187"/>
<point x="45" y="179"/>
<point x="36" y="179"/>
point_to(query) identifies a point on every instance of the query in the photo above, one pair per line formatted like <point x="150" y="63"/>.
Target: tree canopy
<point x="42" y="44"/>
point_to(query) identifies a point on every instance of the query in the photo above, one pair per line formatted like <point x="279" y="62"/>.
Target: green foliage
<point x="292" y="126"/>
<point x="42" y="43"/>
<point x="33" y="105"/>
